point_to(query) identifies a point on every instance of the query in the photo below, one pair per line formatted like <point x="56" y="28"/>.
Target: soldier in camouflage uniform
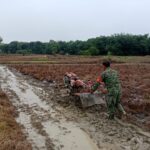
<point x="113" y="89"/>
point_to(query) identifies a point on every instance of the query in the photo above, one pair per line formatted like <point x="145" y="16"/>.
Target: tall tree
<point x="118" y="44"/>
<point x="1" y="39"/>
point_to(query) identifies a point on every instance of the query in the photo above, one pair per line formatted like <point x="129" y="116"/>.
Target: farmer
<point x="112" y="89"/>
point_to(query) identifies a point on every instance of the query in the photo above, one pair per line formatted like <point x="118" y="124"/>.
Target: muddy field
<point x="62" y="59"/>
<point x="51" y="119"/>
<point x="135" y="80"/>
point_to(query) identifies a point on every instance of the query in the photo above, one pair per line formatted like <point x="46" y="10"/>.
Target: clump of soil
<point x="11" y="136"/>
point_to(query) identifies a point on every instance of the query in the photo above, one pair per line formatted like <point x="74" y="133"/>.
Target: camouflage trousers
<point x="113" y="104"/>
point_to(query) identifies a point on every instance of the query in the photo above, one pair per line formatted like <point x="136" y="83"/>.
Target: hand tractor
<point x="82" y="89"/>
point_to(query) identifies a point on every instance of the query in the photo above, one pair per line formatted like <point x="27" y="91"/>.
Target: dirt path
<point x="51" y="120"/>
<point x="45" y="127"/>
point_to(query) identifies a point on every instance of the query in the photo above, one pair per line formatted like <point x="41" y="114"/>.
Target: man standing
<point x="113" y="89"/>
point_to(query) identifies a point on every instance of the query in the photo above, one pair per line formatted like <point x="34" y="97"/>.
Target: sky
<point x="44" y="20"/>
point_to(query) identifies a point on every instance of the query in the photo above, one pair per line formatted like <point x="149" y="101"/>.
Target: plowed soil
<point x="53" y="120"/>
<point x="135" y="79"/>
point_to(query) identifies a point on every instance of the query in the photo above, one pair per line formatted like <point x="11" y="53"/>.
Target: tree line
<point x="118" y="44"/>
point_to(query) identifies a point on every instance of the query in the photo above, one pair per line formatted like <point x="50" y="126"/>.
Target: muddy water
<point x="69" y="136"/>
<point x="36" y="139"/>
<point x="44" y="126"/>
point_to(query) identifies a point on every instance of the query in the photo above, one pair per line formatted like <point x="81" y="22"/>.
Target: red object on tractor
<point x="82" y="89"/>
<point x="75" y="84"/>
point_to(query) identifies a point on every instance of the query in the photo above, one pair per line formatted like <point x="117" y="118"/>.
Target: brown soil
<point x="50" y="115"/>
<point x="11" y="136"/>
<point x="135" y="80"/>
<point x="61" y="59"/>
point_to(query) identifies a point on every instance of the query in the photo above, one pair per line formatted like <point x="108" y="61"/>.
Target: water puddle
<point x="37" y="140"/>
<point x="69" y="137"/>
<point x="27" y="96"/>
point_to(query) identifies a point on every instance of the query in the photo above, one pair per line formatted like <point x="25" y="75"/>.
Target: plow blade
<point x="88" y="99"/>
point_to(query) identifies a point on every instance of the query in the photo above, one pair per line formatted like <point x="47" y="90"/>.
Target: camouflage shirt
<point x="111" y="79"/>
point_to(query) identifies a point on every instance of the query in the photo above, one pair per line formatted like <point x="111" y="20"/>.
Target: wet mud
<point x="51" y="119"/>
<point x="46" y="128"/>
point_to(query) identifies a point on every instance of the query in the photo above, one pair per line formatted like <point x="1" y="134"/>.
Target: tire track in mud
<point x="45" y="127"/>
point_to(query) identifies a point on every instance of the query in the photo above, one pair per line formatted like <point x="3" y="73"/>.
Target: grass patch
<point x="40" y="59"/>
<point x="61" y="59"/>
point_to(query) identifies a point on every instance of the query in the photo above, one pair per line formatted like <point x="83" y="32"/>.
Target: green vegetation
<point x="1" y="39"/>
<point x="119" y="44"/>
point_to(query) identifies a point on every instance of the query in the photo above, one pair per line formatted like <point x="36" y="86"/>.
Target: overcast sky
<point x="42" y="20"/>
